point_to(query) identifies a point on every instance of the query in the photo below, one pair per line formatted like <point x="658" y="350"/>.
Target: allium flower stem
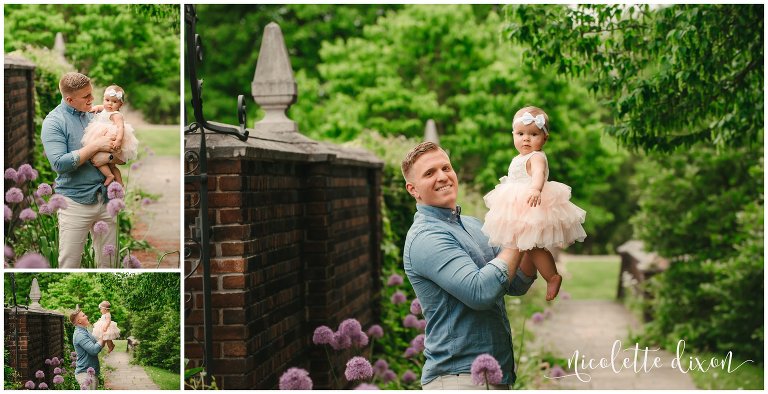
<point x="485" y="375"/>
<point x="522" y="343"/>
<point x="330" y="363"/>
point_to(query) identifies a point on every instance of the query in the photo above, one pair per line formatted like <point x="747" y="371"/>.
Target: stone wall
<point x="19" y="111"/>
<point x="33" y="336"/>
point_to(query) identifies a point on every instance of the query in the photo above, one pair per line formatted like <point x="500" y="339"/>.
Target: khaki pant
<point x="459" y="382"/>
<point x="75" y="223"/>
<point x="83" y="377"/>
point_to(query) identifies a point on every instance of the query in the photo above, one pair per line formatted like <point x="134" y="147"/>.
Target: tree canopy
<point x="672" y="75"/>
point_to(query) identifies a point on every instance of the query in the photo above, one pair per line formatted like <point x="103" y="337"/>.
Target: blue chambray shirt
<point x="461" y="286"/>
<point x="87" y="349"/>
<point x="61" y="134"/>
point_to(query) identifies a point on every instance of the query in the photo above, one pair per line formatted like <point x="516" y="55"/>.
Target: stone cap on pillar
<point x="273" y="86"/>
<point x="430" y="132"/>
<point x="17" y="61"/>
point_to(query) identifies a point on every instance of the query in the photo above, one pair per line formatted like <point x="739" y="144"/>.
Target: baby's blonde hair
<point x="534" y="111"/>
<point x="72" y="82"/>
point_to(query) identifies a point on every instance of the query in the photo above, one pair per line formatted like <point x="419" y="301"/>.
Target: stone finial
<point x="430" y="132"/>
<point x="58" y="44"/>
<point x="34" y="296"/>
<point x="273" y="86"/>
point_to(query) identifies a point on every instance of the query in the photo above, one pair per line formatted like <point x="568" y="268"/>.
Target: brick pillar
<point x="19" y="117"/>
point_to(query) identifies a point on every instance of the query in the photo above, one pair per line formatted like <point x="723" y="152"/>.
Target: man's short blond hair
<point x="72" y="82"/>
<point x="414" y="155"/>
<point x="73" y="315"/>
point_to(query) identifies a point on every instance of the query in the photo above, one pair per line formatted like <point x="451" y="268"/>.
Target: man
<point x="87" y="348"/>
<point x="459" y="280"/>
<point x="78" y="179"/>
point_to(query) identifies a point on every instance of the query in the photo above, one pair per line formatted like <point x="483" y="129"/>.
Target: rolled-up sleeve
<point x="520" y="284"/>
<point x="87" y="344"/>
<point x="54" y="138"/>
<point x="444" y="262"/>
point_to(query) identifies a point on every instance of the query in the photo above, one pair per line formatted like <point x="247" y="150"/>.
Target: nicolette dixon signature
<point x="644" y="360"/>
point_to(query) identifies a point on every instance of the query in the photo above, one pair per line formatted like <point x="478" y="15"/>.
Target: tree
<point x="673" y="75"/>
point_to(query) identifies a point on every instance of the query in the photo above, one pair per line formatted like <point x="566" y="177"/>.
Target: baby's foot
<point x="109" y="180"/>
<point x="553" y="286"/>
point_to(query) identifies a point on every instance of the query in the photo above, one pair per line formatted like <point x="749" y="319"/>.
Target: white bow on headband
<point x="527" y="119"/>
<point x="114" y="93"/>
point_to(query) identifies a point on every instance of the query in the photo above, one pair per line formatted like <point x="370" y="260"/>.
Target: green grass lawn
<point x="746" y="377"/>
<point x="165" y="379"/>
<point x="163" y="140"/>
<point x="591" y="280"/>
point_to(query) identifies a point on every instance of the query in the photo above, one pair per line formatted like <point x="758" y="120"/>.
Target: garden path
<point x="158" y="223"/>
<point x="592" y="327"/>
<point x="126" y="376"/>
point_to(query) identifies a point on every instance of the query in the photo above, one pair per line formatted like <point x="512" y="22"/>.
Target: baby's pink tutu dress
<point x="511" y="222"/>
<point x="130" y="147"/>
<point x="113" y="332"/>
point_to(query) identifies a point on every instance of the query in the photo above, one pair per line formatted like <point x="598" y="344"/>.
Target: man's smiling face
<point x="432" y="180"/>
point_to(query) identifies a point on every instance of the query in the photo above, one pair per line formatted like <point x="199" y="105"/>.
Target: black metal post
<point x="201" y="228"/>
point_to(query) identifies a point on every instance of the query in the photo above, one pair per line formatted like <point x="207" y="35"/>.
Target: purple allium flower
<point x="8" y="213"/>
<point x="40" y="374"/>
<point x="42" y="386"/>
<point x="47" y="361"/>
<point x="14" y="195"/>
<point x="30" y="385"/>
<point x="28" y="172"/>
<point x="418" y="342"/>
<point x="57" y="371"/>
<point x="394" y="280"/>
<point x="83" y="386"/>
<point x="88" y="381"/>
<point x="45" y="209"/>
<point x="130" y="261"/>
<point x="27" y="214"/>
<point x="9" y="252"/>
<point x="416" y="306"/>
<point x="10" y="174"/>
<point x="57" y="201"/>
<point x="409" y="376"/>
<point x="91" y="371"/>
<point x="388" y="376"/>
<point x="32" y="260"/>
<point x="73" y="364"/>
<point x="556" y="372"/>
<point x="350" y="327"/>
<point x="398" y="298"/>
<point x="375" y="331"/>
<point x="380" y="366"/>
<point x="295" y="379"/>
<point x="115" y="206"/>
<point x="146" y="201"/>
<point x="323" y="336"/>
<point x="115" y="190"/>
<point x="44" y="189"/>
<point x="537" y="317"/>
<point x="341" y="341"/>
<point x="410" y="352"/>
<point x="411" y="321"/>
<point x="109" y="250"/>
<point x="58" y="379"/>
<point x="565" y="295"/>
<point x="135" y="166"/>
<point x="366" y="386"/>
<point x="485" y="369"/>
<point x="100" y="228"/>
<point x="73" y="354"/>
<point x="422" y="325"/>
<point x="358" y="368"/>
<point x="359" y="339"/>
<point x="55" y="362"/>
<point x="547" y="313"/>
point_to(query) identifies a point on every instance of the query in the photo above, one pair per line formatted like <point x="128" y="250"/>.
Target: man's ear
<point x="412" y="190"/>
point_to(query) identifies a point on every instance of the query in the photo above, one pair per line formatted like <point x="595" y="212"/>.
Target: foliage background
<point x="135" y="46"/>
<point x="144" y="305"/>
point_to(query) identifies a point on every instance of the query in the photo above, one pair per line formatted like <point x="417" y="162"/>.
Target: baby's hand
<point x="105" y="329"/>
<point x="96" y="108"/>
<point x="534" y="197"/>
<point x="117" y="145"/>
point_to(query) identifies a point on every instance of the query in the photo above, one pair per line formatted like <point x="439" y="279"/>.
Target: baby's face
<point x="112" y="103"/>
<point x="528" y="138"/>
<point x="103" y="311"/>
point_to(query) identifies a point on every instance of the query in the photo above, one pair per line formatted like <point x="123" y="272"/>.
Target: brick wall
<point x="19" y="111"/>
<point x="295" y="245"/>
<point x="40" y="336"/>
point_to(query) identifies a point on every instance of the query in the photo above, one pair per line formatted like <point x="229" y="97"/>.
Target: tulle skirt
<point x="130" y="147"/>
<point x="112" y="331"/>
<point x="511" y="222"/>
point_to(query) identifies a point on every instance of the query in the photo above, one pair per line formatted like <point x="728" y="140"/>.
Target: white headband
<point x="114" y="93"/>
<point x="527" y="119"/>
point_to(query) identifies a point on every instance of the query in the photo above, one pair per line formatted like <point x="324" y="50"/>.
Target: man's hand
<point x="512" y="257"/>
<point x="100" y="342"/>
<point x="101" y="158"/>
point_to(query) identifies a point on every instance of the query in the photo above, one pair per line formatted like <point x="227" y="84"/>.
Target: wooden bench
<point x="637" y="266"/>
<point x="131" y="344"/>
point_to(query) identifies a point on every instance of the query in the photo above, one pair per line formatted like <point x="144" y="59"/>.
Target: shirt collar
<point x="71" y="110"/>
<point x="446" y="214"/>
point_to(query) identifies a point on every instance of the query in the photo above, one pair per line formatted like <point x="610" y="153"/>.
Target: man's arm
<point x="55" y="145"/>
<point x="90" y="347"/>
<point x="450" y="267"/>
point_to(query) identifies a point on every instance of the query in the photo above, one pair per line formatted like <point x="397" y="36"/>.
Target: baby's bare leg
<point x="545" y="264"/>
<point x="118" y="175"/>
<point x="105" y="169"/>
